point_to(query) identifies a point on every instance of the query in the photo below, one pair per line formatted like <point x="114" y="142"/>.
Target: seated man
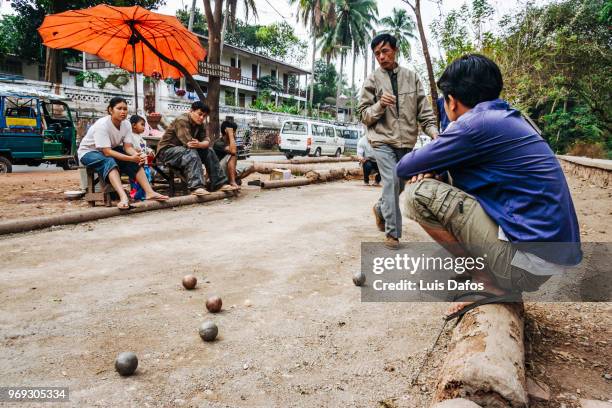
<point x="510" y="199"/>
<point x="367" y="160"/>
<point x="185" y="146"/>
<point x="226" y="150"/>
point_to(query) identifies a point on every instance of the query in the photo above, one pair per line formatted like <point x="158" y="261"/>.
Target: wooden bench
<point x="170" y="174"/>
<point x="91" y="195"/>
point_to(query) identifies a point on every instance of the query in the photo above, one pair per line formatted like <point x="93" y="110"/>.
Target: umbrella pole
<point x="135" y="78"/>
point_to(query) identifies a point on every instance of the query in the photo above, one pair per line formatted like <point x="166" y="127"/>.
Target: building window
<point x="253" y="99"/>
<point x="230" y="99"/>
<point x="254" y="71"/>
<point x="11" y="67"/>
<point x="233" y="62"/>
<point x="273" y="73"/>
<point x="241" y="100"/>
<point x="285" y="81"/>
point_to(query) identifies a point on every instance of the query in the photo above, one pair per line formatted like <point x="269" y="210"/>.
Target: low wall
<point x="596" y="171"/>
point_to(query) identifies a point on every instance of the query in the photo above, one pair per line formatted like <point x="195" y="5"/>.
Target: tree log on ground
<point x="486" y="359"/>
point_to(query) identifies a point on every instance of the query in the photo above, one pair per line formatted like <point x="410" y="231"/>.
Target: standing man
<point x="392" y="106"/>
<point x="186" y="147"/>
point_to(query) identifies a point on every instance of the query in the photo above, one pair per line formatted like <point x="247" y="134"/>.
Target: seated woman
<point x="108" y="148"/>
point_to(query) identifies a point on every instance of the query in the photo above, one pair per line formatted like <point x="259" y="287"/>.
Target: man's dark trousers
<point x="190" y="161"/>
<point x="370" y="166"/>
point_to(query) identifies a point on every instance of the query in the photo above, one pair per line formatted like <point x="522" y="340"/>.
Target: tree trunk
<point x="365" y="63"/>
<point x="312" y="78"/>
<point x="214" y="21"/>
<point x="353" y="83"/>
<point x="430" y="73"/>
<point x="339" y="90"/>
<point x="373" y="56"/>
<point x="53" y="66"/>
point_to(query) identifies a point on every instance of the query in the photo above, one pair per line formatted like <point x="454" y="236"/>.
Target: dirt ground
<point x="293" y="331"/>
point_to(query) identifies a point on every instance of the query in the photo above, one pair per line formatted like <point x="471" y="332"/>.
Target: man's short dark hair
<point x="384" y="38"/>
<point x="227" y="124"/>
<point x="199" y="105"/>
<point x="471" y="79"/>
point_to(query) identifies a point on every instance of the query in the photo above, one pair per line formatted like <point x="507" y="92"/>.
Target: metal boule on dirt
<point x="190" y="282"/>
<point x="208" y="331"/>
<point x="359" y="278"/>
<point x="126" y="363"/>
<point x="213" y="304"/>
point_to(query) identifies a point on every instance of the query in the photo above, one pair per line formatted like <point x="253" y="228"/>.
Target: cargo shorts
<point x="438" y="205"/>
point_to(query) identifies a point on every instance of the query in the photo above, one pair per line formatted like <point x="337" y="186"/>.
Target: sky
<point x="270" y="11"/>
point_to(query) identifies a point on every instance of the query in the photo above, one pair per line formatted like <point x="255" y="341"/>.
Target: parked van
<point x="351" y="135"/>
<point x="309" y="138"/>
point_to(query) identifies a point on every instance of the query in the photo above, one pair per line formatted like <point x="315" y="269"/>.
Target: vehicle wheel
<point x="5" y="165"/>
<point x="289" y="156"/>
<point x="70" y="164"/>
<point x="338" y="153"/>
<point x="317" y="152"/>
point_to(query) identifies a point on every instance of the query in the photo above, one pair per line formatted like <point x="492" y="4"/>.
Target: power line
<point x="277" y="12"/>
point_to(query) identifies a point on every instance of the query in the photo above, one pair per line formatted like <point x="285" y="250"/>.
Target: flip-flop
<point x="159" y="197"/>
<point x="123" y="205"/>
<point x="488" y="298"/>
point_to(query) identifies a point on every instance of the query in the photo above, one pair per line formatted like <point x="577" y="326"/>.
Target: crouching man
<point x="509" y="198"/>
<point x="186" y="147"/>
<point x="227" y="151"/>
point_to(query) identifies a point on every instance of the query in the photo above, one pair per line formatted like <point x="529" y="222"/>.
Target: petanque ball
<point x="126" y="363"/>
<point x="213" y="304"/>
<point x="190" y="282"/>
<point x="359" y="278"/>
<point x="208" y="331"/>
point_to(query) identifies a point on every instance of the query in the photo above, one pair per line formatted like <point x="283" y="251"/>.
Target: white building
<point x="162" y="96"/>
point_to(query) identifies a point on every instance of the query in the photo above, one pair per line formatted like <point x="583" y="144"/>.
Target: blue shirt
<point x="493" y="154"/>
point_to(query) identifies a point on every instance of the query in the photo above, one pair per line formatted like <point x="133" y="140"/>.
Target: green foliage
<point x="90" y="77"/>
<point x="19" y="31"/>
<point x="402" y="26"/>
<point x="118" y="79"/>
<point x="269" y="83"/>
<point x="264" y="105"/>
<point x="555" y="60"/>
<point x="326" y="79"/>
<point x="276" y="40"/>
<point x="199" y="20"/>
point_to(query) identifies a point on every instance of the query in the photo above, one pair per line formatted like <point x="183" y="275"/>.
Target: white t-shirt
<point x="104" y="134"/>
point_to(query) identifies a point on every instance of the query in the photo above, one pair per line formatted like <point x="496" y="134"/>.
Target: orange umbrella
<point x="133" y="38"/>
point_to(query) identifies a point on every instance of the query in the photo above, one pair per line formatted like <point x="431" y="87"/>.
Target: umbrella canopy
<point x="120" y="36"/>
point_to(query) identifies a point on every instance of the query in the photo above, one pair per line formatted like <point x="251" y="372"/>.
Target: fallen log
<point x="311" y="160"/>
<point x="486" y="359"/>
<point x="300" y="181"/>
<point x="456" y="403"/>
<point x="35" y="223"/>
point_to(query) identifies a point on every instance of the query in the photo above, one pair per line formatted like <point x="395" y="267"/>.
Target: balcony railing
<point x="96" y="64"/>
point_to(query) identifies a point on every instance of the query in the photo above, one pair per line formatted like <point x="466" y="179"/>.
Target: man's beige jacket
<point x="386" y="125"/>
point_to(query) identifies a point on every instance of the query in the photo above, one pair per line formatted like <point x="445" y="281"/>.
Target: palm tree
<point x="215" y="23"/>
<point x="317" y="14"/>
<point x="351" y="32"/>
<point x="401" y="26"/>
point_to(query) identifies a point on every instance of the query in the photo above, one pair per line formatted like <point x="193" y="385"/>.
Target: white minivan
<point x="309" y="138"/>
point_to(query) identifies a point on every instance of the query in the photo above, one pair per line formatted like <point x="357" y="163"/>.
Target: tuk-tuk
<point x="35" y="127"/>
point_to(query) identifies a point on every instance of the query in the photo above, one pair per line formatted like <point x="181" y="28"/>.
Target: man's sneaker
<point x="391" y="242"/>
<point x="200" y="192"/>
<point x="380" y="220"/>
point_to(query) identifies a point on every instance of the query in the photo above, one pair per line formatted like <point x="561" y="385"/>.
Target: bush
<point x="592" y="150"/>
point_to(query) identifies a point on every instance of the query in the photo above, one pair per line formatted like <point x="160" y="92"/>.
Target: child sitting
<point x="138" y="128"/>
